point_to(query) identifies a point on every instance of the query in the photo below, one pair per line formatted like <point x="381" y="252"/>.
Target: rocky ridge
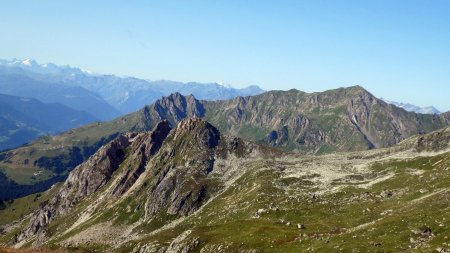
<point x="345" y="119"/>
<point x="166" y="171"/>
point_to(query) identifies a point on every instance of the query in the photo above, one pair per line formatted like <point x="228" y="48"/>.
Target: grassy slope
<point x="352" y="219"/>
<point x="387" y="216"/>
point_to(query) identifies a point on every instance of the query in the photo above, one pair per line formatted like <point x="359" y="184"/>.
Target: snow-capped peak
<point x="28" y="62"/>
<point x="414" y="108"/>
<point x="226" y="85"/>
<point x="46" y="68"/>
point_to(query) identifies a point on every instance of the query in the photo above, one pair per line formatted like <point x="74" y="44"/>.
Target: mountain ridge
<point x="176" y="164"/>
<point x="357" y="110"/>
<point x="14" y="81"/>
<point x="414" y="108"/>
<point x="344" y="119"/>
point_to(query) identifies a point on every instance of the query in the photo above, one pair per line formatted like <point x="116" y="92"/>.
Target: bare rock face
<point x="177" y="107"/>
<point x="84" y="180"/>
<point x="384" y="125"/>
<point x="144" y="146"/>
<point x="438" y="140"/>
<point x="172" y="108"/>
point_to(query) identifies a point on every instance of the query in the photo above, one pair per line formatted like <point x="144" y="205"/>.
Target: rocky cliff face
<point x="82" y="182"/>
<point x="167" y="171"/>
<point x="435" y="141"/>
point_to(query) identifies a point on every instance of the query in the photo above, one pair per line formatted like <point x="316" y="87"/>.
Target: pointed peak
<point x="199" y="132"/>
<point x="178" y="99"/>
<point x="356" y="88"/>
<point x="192" y="123"/>
<point x="175" y="94"/>
<point x="178" y="95"/>
<point x="172" y="98"/>
<point x="29" y="62"/>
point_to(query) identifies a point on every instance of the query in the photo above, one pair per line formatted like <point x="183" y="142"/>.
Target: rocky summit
<point x="152" y="175"/>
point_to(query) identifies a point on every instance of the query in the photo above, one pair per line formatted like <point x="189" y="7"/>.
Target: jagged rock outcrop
<point x="180" y="183"/>
<point x="82" y="181"/>
<point x="435" y="141"/>
<point x="144" y="146"/>
<point x="168" y="171"/>
<point x="97" y="171"/>
<point x="177" y="107"/>
<point x="172" y="108"/>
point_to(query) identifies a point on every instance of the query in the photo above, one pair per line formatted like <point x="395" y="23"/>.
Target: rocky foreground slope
<point x="192" y="189"/>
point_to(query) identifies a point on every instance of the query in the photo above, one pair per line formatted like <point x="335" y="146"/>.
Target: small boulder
<point x="301" y="226"/>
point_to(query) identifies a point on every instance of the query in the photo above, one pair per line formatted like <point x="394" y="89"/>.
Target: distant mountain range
<point x="414" y="108"/>
<point x="23" y="83"/>
<point x="108" y="96"/>
<point x="124" y="94"/>
<point x="24" y="119"/>
<point x="62" y="97"/>
<point x="85" y="90"/>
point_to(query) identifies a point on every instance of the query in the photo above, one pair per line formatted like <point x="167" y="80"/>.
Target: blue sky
<point x="399" y="50"/>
